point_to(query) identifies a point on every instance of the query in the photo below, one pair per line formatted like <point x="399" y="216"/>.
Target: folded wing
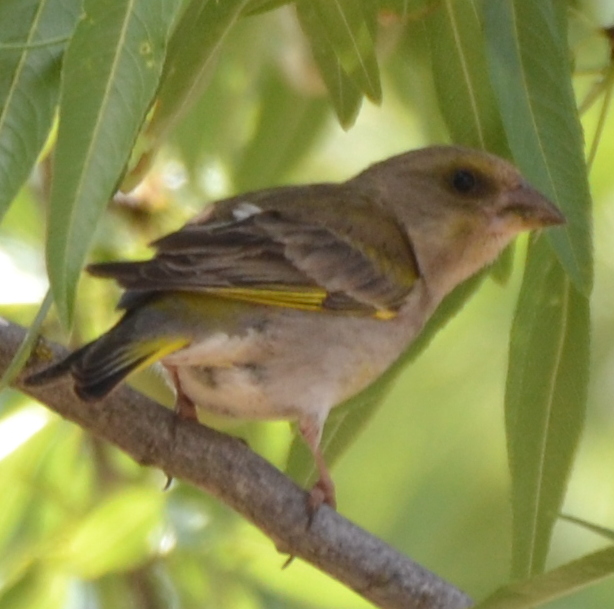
<point x="318" y="247"/>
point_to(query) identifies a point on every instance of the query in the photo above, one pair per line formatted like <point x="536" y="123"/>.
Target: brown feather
<point x="363" y="262"/>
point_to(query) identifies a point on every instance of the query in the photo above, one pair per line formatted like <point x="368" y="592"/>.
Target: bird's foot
<point x="323" y="492"/>
<point x="185" y="408"/>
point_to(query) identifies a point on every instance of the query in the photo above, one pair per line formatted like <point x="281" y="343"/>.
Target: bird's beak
<point x="532" y="208"/>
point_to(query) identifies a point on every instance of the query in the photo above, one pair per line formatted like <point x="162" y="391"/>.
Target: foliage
<point x="196" y="99"/>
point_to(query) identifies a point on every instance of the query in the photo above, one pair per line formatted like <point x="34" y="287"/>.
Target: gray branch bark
<point x="225" y="467"/>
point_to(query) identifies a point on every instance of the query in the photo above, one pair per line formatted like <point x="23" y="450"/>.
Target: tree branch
<point x="225" y="467"/>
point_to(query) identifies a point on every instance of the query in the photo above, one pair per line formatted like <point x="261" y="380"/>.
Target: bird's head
<point x="460" y="207"/>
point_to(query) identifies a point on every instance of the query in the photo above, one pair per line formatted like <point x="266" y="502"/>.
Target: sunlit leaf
<point x="114" y="537"/>
<point x="530" y="70"/>
<point x="22" y="354"/>
<point x="40" y="461"/>
<point x="38" y="587"/>
<point x="607" y="88"/>
<point x="593" y="528"/>
<point x="560" y="582"/>
<point x="254" y="7"/>
<point x="545" y="400"/>
<point x="33" y="36"/>
<point x="118" y="49"/>
<point x="502" y="268"/>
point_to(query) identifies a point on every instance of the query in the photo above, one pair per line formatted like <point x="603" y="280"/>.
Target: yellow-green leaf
<point x="563" y="581"/>
<point x="531" y="74"/>
<point x="116" y="536"/>
<point x="192" y="51"/>
<point x="460" y="73"/>
<point x="110" y="74"/>
<point x="545" y="401"/>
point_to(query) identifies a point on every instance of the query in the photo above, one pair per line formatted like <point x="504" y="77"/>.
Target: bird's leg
<point x="185" y="409"/>
<point x="324" y="489"/>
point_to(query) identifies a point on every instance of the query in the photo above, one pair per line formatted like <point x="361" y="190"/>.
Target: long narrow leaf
<point x="25" y="349"/>
<point x="545" y="401"/>
<point x="110" y="74"/>
<point x="560" y="582"/>
<point x="531" y="74"/>
<point x="460" y="71"/>
<point x="589" y="526"/>
<point x="345" y="96"/>
<point x="466" y="98"/>
<point x="255" y="7"/>
<point x="191" y="53"/>
<point x="29" y="82"/>
<point x="548" y="366"/>
<point x="349" y="32"/>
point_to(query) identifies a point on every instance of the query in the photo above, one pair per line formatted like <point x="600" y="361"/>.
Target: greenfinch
<point x="282" y="303"/>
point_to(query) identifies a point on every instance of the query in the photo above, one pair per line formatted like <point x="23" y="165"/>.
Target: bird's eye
<point x="464" y="181"/>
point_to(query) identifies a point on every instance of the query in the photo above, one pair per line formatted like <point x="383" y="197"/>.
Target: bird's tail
<point x="102" y="364"/>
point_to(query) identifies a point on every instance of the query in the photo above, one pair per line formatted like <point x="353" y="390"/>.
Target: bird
<point x="284" y="302"/>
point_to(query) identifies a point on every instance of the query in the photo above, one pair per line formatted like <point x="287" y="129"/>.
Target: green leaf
<point x="548" y="369"/>
<point x="503" y="266"/>
<point x="558" y="583"/>
<point x="36" y="587"/>
<point x="25" y="349"/>
<point x="350" y="31"/>
<point x="191" y="54"/>
<point x="345" y="96"/>
<point x="347" y="420"/>
<point x="287" y="124"/>
<point x="255" y="7"/>
<point x="466" y="98"/>
<point x="111" y="71"/>
<point x="530" y="71"/>
<point x="545" y="400"/>
<point x="594" y="528"/>
<point x="29" y="82"/>
<point x="114" y="537"/>
<point x="460" y="72"/>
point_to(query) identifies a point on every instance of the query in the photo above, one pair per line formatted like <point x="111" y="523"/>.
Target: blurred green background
<point x="82" y="526"/>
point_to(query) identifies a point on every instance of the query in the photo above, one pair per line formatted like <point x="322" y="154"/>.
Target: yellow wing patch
<point x="155" y="349"/>
<point x="305" y="298"/>
<point x="384" y="314"/>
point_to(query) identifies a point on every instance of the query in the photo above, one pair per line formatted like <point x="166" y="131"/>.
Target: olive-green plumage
<point x="282" y="303"/>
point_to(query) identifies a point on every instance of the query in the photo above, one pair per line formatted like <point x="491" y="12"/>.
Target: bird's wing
<point x="271" y="247"/>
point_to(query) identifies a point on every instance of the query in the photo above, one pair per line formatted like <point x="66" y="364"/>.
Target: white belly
<point x="288" y="364"/>
<point x="219" y="375"/>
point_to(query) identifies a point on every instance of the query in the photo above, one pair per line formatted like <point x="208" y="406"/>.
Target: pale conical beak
<point x="532" y="208"/>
